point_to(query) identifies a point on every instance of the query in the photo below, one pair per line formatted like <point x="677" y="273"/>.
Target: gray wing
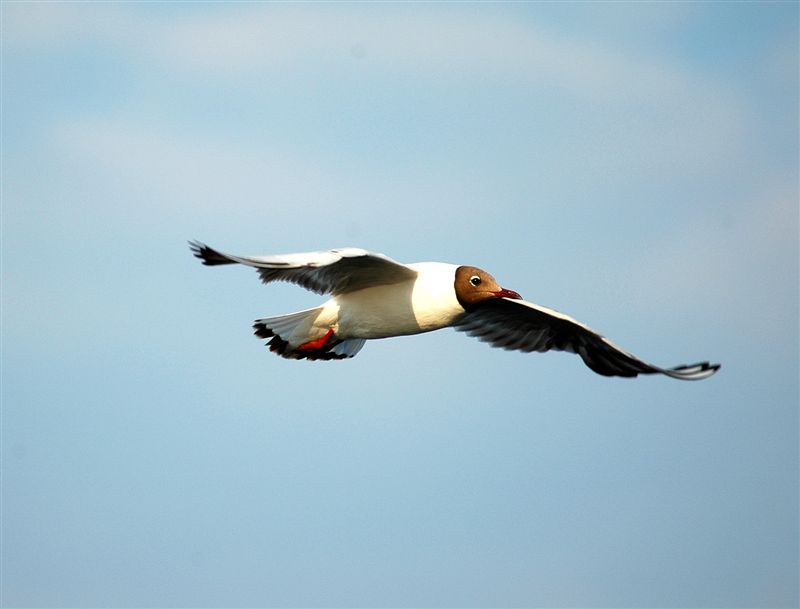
<point x="517" y="324"/>
<point x="326" y="272"/>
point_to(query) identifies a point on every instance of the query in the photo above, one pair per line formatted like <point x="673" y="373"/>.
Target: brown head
<point x="474" y="285"/>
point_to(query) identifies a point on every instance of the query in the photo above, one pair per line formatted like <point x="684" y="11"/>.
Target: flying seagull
<point x="373" y="296"/>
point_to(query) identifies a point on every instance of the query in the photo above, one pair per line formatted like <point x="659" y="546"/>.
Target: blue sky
<point x="634" y="165"/>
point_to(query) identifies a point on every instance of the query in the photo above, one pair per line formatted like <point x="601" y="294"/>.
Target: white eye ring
<point x="475" y="280"/>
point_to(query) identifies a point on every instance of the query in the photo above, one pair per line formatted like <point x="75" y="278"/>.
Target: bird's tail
<point x="289" y="338"/>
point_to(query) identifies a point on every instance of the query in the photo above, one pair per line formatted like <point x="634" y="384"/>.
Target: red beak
<point x="504" y="293"/>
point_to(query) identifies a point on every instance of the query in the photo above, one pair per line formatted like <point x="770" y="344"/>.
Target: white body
<point x="411" y="307"/>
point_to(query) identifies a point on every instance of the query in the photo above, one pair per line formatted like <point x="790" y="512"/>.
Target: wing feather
<point x="334" y="272"/>
<point x="515" y="324"/>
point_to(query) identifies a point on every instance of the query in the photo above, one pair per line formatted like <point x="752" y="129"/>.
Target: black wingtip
<point x="209" y="256"/>
<point x="694" y="372"/>
<point x="261" y="330"/>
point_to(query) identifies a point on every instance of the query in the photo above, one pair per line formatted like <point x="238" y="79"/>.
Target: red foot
<point x="315" y="344"/>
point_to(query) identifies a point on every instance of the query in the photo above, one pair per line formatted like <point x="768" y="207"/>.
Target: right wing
<point x="516" y="324"/>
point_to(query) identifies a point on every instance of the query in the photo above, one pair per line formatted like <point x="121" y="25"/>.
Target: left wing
<point x="520" y="325"/>
<point x="335" y="272"/>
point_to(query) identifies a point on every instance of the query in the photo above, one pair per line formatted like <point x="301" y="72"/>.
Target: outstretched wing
<point x="327" y="272"/>
<point x="517" y="324"/>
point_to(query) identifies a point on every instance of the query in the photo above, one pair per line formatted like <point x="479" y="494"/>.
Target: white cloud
<point x="647" y="115"/>
<point x="190" y="173"/>
<point x="203" y="181"/>
<point x="645" y="111"/>
<point x="430" y="42"/>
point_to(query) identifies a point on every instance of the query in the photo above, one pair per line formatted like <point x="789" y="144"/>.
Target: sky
<point x="634" y="165"/>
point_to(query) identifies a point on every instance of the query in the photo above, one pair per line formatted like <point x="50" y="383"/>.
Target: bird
<point x="374" y="296"/>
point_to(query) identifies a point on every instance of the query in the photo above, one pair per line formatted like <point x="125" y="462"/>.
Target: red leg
<point x="315" y="344"/>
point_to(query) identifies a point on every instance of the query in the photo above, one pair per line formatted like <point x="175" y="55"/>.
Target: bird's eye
<point x="475" y="280"/>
